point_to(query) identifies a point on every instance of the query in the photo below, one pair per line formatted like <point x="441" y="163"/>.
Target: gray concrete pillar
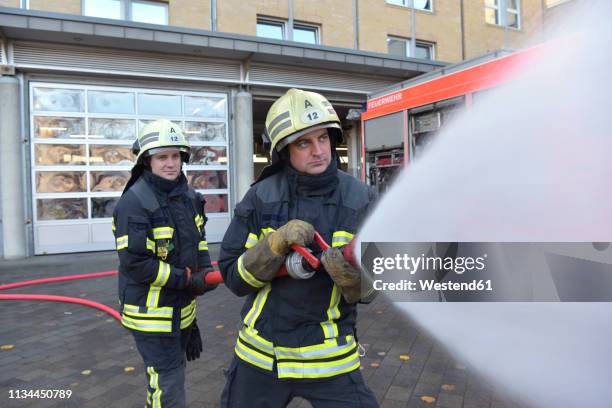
<point x="243" y="115"/>
<point x="353" y="144"/>
<point x="11" y="183"/>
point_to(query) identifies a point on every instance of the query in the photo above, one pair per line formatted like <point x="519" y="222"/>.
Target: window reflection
<point x="205" y="132"/>
<point x="61" y="208"/>
<point x="59" y="100"/>
<point x="116" y="129"/>
<point x="109" y="180"/>
<point x="111" y="155"/>
<point x="102" y="207"/>
<point x="53" y="127"/>
<point x="205" y="106"/>
<point x="215" y="203"/>
<point x="207" y="179"/>
<point x="159" y="104"/>
<point x="52" y="154"/>
<point x="60" y="181"/>
<point x="208" y="155"/>
<point x="110" y="102"/>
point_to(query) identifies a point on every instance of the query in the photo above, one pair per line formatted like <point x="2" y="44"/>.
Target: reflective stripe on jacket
<point x="158" y="234"/>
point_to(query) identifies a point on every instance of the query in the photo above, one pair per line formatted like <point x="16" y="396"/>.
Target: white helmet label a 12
<point x="311" y="116"/>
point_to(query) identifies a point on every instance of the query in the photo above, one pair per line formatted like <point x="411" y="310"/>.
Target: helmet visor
<point x="166" y="149"/>
<point x="289" y="139"/>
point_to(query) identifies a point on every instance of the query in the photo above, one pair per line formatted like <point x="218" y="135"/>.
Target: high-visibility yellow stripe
<point x="151" y="326"/>
<point x="330" y="328"/>
<point x="157" y="312"/>
<point x="253" y="357"/>
<point x="203" y="246"/>
<point x="113" y="225"/>
<point x="154" y="384"/>
<point x="247" y="276"/>
<point x="265" y="231"/>
<point x="188" y="314"/>
<point x="186" y="322"/>
<point x="153" y="296"/>
<point x="257" y="307"/>
<point x="122" y="242"/>
<point x="199" y="222"/>
<point x="163" y="232"/>
<point x="189" y="308"/>
<point x="163" y="274"/>
<point x="150" y="245"/>
<point x="251" y="241"/>
<point x="250" y="336"/>
<point x="318" y="369"/>
<point x="328" y="349"/>
<point x="340" y="238"/>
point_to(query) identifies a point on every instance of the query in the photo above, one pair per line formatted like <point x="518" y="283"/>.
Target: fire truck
<point x="402" y="121"/>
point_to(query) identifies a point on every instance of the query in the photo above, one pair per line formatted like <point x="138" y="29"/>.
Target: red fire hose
<point x="56" y="279"/>
<point x="67" y="299"/>
<point x="213" y="278"/>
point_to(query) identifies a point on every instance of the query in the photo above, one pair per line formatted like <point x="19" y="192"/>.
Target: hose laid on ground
<point x="79" y="301"/>
<point x="56" y="279"/>
<point x="67" y="299"/>
<point x="54" y="298"/>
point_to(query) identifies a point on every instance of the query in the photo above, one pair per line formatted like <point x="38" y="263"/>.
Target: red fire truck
<point x="401" y="121"/>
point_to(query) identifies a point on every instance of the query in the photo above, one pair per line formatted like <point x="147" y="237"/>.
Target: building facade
<point x="445" y="30"/>
<point x="80" y="77"/>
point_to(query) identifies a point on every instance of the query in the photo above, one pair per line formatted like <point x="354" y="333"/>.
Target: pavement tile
<point x="446" y="400"/>
<point x="397" y="393"/>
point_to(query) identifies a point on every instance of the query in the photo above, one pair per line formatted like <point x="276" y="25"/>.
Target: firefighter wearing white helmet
<point x="158" y="225"/>
<point x="298" y="336"/>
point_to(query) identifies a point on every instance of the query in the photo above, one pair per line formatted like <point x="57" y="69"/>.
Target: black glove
<point x="197" y="285"/>
<point x="194" y="344"/>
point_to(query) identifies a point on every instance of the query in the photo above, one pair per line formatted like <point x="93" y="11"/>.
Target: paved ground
<point x="72" y="347"/>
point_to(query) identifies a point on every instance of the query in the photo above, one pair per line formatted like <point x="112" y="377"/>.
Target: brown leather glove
<point x="261" y="262"/>
<point x="266" y="257"/>
<point x="294" y="232"/>
<point x="344" y="275"/>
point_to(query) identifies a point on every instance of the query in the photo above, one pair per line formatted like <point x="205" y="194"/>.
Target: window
<point x="277" y="29"/>
<point x="271" y="29"/>
<point x="103" y="8"/>
<point x="493" y="13"/>
<point x="401" y="47"/>
<point x="305" y="34"/>
<point x="152" y="12"/>
<point x="81" y="151"/>
<point x="149" y="12"/>
<point x="418" y="4"/>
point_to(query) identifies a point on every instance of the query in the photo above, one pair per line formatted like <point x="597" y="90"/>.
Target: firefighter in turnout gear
<point x="297" y="337"/>
<point x="163" y="257"/>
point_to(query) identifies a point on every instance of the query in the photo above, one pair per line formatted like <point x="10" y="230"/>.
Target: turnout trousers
<point x="164" y="360"/>
<point x="247" y="387"/>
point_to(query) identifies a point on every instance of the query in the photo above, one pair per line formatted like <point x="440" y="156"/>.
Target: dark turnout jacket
<point x="159" y="231"/>
<point x="295" y="329"/>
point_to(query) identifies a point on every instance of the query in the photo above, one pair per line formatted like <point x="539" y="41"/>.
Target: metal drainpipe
<point x="413" y="30"/>
<point x="356" y="22"/>
<point x="213" y="15"/>
<point x="462" y="30"/>
<point x="503" y="13"/>
<point x="290" y="22"/>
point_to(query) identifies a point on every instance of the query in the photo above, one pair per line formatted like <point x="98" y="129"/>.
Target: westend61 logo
<point x="412" y="264"/>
